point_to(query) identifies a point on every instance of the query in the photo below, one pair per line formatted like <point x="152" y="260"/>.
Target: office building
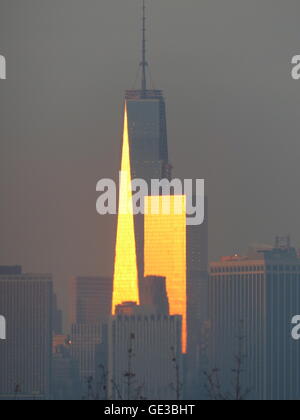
<point x="85" y="349"/>
<point x="144" y="351"/>
<point x="126" y="284"/>
<point x="65" y="371"/>
<point x="25" y="355"/>
<point x="154" y="296"/>
<point x="255" y="298"/>
<point x="165" y="251"/>
<point x="148" y="139"/>
<point x="90" y="299"/>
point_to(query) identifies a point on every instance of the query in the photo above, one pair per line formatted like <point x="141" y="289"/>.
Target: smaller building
<point x="65" y="371"/>
<point x="86" y="351"/>
<point x="144" y="352"/>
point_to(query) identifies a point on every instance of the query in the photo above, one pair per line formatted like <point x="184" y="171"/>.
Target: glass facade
<point x="165" y="251"/>
<point x="125" y="272"/>
<point x="148" y="135"/>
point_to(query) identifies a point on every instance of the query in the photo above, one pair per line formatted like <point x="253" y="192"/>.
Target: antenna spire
<point x="144" y="63"/>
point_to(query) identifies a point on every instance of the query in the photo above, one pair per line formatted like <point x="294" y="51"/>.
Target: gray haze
<point x="233" y="118"/>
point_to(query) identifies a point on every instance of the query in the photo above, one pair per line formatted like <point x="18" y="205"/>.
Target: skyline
<point x="243" y="209"/>
<point x="154" y="306"/>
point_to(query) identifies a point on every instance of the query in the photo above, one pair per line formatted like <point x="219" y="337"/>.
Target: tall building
<point x="90" y="299"/>
<point x="148" y="140"/>
<point x="255" y="298"/>
<point x="197" y="304"/>
<point x="148" y="134"/>
<point x="57" y="317"/>
<point x="165" y="251"/>
<point x="90" y="309"/>
<point x="144" y="352"/>
<point x="197" y="277"/>
<point x="126" y="284"/>
<point x="147" y="125"/>
<point x="25" y="356"/>
<point x="154" y="296"/>
<point x="65" y="372"/>
<point x="85" y="349"/>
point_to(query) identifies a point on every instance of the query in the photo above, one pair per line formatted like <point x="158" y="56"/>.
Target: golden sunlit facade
<point x="125" y="270"/>
<point x="165" y="250"/>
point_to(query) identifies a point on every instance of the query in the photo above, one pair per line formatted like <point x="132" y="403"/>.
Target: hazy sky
<point x="233" y="119"/>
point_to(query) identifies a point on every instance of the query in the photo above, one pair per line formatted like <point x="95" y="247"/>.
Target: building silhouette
<point x="85" y="349"/>
<point x="65" y="371"/>
<point x="153" y="292"/>
<point x="197" y="305"/>
<point x="25" y="356"/>
<point x="90" y="299"/>
<point x="143" y="350"/>
<point x="90" y="308"/>
<point x="259" y="294"/>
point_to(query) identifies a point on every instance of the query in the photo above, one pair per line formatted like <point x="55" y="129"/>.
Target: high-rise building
<point x="197" y="304"/>
<point x="252" y="302"/>
<point x="65" y="372"/>
<point x="148" y="140"/>
<point x="57" y="317"/>
<point x="148" y="134"/>
<point x="154" y="296"/>
<point x="126" y="285"/>
<point x="165" y="251"/>
<point x="90" y="308"/>
<point x="25" y="356"/>
<point x="90" y="299"/>
<point x="147" y="125"/>
<point x="85" y="349"/>
<point x="144" y="355"/>
<point x="197" y="278"/>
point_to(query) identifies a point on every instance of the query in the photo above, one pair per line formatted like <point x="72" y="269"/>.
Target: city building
<point x="65" y="371"/>
<point x="90" y="299"/>
<point x="85" y="348"/>
<point x="90" y="308"/>
<point x="148" y="140"/>
<point x="252" y="301"/>
<point x="57" y="318"/>
<point x="126" y="281"/>
<point x="154" y="296"/>
<point x="165" y="251"/>
<point x="25" y="356"/>
<point x="197" y="305"/>
<point x="144" y="355"/>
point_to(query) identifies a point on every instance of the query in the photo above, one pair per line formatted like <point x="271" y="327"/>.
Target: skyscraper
<point x="259" y="293"/>
<point x="86" y="340"/>
<point x="90" y="308"/>
<point x="165" y="251"/>
<point x="126" y="285"/>
<point x="25" y="356"/>
<point x="154" y="296"/>
<point x="90" y="299"/>
<point x="197" y="304"/>
<point x="147" y="127"/>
